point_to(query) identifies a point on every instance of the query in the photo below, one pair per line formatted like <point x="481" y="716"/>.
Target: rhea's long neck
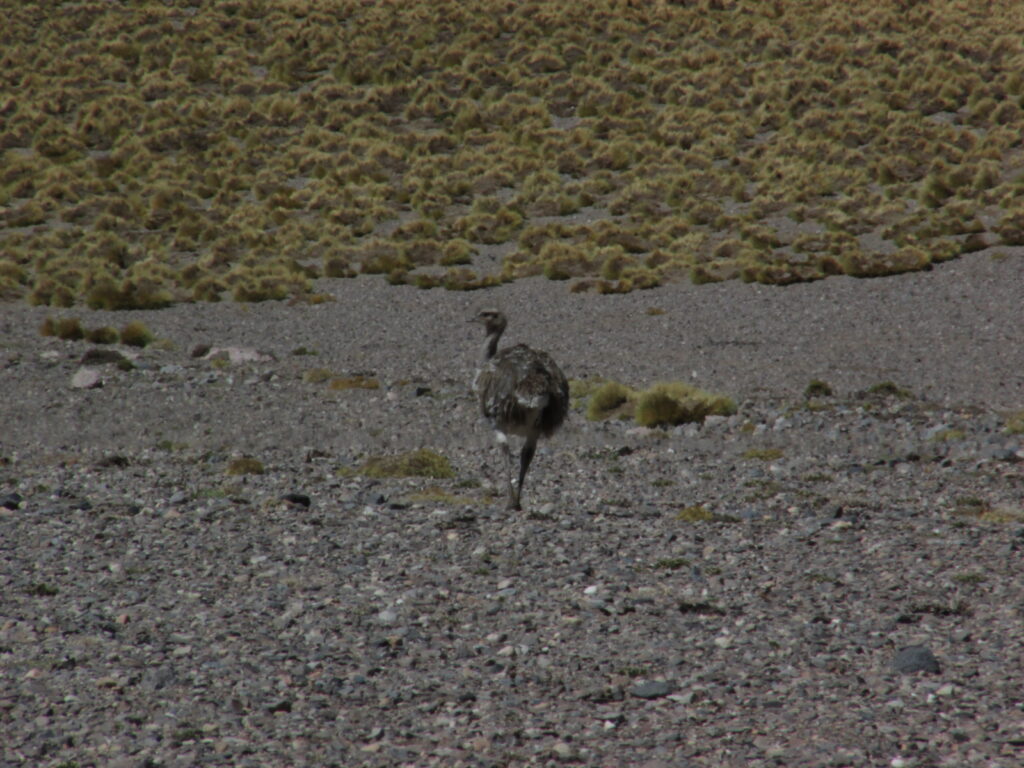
<point x="491" y="344"/>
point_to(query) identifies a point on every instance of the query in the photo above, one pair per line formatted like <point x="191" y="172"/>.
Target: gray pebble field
<point x="825" y="581"/>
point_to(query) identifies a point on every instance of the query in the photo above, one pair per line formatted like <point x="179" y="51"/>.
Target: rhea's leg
<point x="525" y="457"/>
<point x="513" y="498"/>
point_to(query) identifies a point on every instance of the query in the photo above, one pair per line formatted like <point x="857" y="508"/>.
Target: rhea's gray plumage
<point x="522" y="392"/>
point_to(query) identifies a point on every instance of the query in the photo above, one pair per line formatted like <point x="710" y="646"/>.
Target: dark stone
<point x="200" y="350"/>
<point x="297" y="498"/>
<point x="916" y="658"/>
<point x="11" y="500"/>
<point x="98" y="356"/>
<point x="652" y="689"/>
<point x="113" y="460"/>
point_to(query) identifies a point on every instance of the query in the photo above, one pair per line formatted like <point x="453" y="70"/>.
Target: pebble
<point x="562" y="751"/>
<point x="87" y="378"/>
<point x="916" y="658"/>
<point x="652" y="689"/>
<point x="99" y="356"/>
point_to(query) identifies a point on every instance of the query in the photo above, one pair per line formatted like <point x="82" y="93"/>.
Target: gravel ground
<point x="159" y="611"/>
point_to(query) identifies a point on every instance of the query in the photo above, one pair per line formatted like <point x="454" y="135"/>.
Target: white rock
<point x="87" y="378"/>
<point x="238" y="355"/>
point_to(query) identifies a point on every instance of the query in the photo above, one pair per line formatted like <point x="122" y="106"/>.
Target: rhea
<point x="522" y="392"/>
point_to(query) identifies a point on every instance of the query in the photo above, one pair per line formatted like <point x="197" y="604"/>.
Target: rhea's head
<point x="493" y="321"/>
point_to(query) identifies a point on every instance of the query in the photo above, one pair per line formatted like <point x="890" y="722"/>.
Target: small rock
<point x="86" y="378"/>
<point x="388" y="617"/>
<point x="916" y="658"/>
<point x="562" y="751"/>
<point x="297" y="498"/>
<point x="652" y="689"/>
<point x="11" y="501"/>
<point x="102" y="357"/>
<point x="237" y="355"/>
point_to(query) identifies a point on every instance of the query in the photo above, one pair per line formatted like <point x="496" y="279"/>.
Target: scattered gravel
<point x="160" y="611"/>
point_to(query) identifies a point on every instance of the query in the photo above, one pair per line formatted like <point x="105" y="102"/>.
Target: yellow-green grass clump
<point x="698" y="513"/>
<point x="611" y="399"/>
<point x="889" y="389"/>
<point x="102" y="335"/>
<point x="67" y="328"/>
<point x="354" y="382"/>
<point x="136" y="334"/>
<point x="907" y="259"/>
<point x="421" y="463"/>
<point x="666" y="403"/>
<point x="268" y="281"/>
<point x="818" y="388"/>
<point x="1015" y="423"/>
<point x="763" y="454"/>
<point x="983" y="511"/>
<point x="434" y="494"/>
<point x="673" y="402"/>
<point x="317" y="375"/>
<point x="13" y="279"/>
<point x="129" y="294"/>
<point x="245" y="466"/>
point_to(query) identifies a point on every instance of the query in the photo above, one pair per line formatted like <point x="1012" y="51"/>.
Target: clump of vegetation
<point x="663" y="404"/>
<point x="1015" y="423"/>
<point x="889" y="389"/>
<point x="67" y="328"/>
<point x="611" y="399"/>
<point x="763" y="454"/>
<point x="42" y="590"/>
<point x="969" y="506"/>
<point x="673" y="402"/>
<point x="245" y="466"/>
<point x="701" y="514"/>
<point x="672" y="563"/>
<point x="102" y="335"/>
<point x="970" y="578"/>
<point x="817" y="388"/>
<point x="421" y="463"/>
<point x="317" y="375"/>
<point x="981" y="510"/>
<point x="128" y="295"/>
<point x="948" y="435"/>
<point x="436" y="495"/>
<point x="354" y="382"/>
<point x="136" y="334"/>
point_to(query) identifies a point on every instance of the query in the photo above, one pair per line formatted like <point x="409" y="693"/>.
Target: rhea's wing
<point x="557" y="388"/>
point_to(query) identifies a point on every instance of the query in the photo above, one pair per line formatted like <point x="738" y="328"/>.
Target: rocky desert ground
<point x="741" y="592"/>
